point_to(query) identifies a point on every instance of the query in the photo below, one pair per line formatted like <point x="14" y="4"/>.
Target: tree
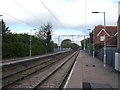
<point x="86" y="42"/>
<point x="74" y="46"/>
<point x="5" y="30"/>
<point x="97" y="48"/>
<point x="66" y="43"/>
<point x="17" y="45"/>
<point x="45" y="34"/>
<point x="55" y="45"/>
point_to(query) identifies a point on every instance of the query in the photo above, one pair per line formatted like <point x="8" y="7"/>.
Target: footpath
<point x="89" y="72"/>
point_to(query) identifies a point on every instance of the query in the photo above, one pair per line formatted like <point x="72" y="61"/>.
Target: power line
<point x="15" y="18"/>
<point x="32" y="14"/>
<point x="85" y="13"/>
<point x="51" y="12"/>
<point x="25" y="10"/>
<point x="61" y="11"/>
<point x="62" y="14"/>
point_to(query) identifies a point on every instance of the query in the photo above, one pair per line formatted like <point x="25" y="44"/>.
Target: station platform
<point x="89" y="72"/>
<point x="26" y="58"/>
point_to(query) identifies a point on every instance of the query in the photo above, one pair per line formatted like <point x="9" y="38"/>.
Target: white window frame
<point x="102" y="38"/>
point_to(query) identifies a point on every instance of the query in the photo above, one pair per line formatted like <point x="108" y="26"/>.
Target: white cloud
<point x="72" y="16"/>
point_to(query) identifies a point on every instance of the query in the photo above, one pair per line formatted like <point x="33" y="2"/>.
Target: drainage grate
<point x="88" y="65"/>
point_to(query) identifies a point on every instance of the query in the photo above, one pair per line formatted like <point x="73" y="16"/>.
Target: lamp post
<point x="31" y="42"/>
<point x="104" y="38"/>
<point x="93" y="44"/>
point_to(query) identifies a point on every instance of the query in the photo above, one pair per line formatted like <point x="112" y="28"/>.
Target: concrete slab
<point x="91" y="70"/>
<point x="99" y="73"/>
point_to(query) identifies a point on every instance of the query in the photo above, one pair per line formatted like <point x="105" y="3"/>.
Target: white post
<point x="30" y="42"/>
<point x="104" y="41"/>
<point x="58" y="42"/>
<point x="104" y="38"/>
<point x="93" y="45"/>
<point x="84" y="43"/>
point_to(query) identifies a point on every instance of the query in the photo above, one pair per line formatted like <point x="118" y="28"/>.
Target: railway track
<point x="19" y="67"/>
<point x="25" y="63"/>
<point x="57" y="79"/>
<point x="19" y="72"/>
<point x="37" y="76"/>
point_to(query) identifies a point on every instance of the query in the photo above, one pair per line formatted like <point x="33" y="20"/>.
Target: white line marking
<point x="65" y="86"/>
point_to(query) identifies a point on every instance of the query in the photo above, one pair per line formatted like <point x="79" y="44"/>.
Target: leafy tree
<point x="17" y="45"/>
<point x="55" y="45"/>
<point x="86" y="42"/>
<point x="82" y="44"/>
<point x="66" y="43"/>
<point x="97" y="47"/>
<point x="45" y="34"/>
<point x="5" y="30"/>
<point x="74" y="46"/>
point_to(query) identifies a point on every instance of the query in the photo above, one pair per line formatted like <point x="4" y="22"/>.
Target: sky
<point x="67" y="17"/>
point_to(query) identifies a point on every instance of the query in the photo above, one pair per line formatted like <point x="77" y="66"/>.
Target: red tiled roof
<point x="111" y="30"/>
<point x="112" y="41"/>
<point x="98" y="29"/>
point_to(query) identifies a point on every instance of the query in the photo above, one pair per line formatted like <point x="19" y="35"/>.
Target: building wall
<point x="96" y="31"/>
<point x="111" y="30"/>
<point x="102" y="34"/>
<point x="118" y="29"/>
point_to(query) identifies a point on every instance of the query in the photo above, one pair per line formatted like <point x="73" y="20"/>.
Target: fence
<point x="61" y="49"/>
<point x="110" y="56"/>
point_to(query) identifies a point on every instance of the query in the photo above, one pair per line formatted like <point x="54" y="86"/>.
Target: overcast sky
<point x="66" y="16"/>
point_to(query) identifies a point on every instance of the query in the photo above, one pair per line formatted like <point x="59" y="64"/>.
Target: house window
<point x="102" y="38"/>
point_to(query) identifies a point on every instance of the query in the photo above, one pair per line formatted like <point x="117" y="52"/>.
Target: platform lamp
<point x="104" y="38"/>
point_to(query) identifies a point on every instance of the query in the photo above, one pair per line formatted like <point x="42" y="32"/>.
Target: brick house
<point x="111" y="35"/>
<point x="112" y="42"/>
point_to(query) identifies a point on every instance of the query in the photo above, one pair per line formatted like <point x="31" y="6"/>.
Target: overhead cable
<point x="16" y="18"/>
<point x="25" y="10"/>
<point x="51" y="12"/>
<point x="61" y="11"/>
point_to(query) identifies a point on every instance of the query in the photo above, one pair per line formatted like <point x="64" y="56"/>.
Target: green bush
<point x="17" y="45"/>
<point x="97" y="46"/>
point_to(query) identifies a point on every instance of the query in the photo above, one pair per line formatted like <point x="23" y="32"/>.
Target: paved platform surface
<point x="90" y="70"/>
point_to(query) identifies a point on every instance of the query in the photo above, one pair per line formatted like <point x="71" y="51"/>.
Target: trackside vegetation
<point x="18" y="45"/>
